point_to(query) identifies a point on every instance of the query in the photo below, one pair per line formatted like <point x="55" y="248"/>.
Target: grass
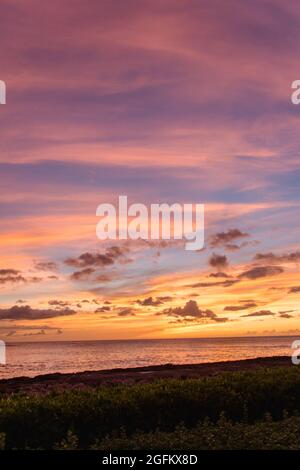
<point x="255" y="409"/>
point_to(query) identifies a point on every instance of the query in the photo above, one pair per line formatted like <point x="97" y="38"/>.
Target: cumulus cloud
<point x="261" y="271"/>
<point x="108" y="258"/>
<point x="115" y="312"/>
<point x="218" y="261"/>
<point x="227" y="239"/>
<point x="192" y="310"/>
<point x="149" y="302"/>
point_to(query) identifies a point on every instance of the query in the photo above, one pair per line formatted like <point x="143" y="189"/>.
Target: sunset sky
<point x="163" y="101"/>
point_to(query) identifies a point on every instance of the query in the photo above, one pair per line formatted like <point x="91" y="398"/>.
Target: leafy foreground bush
<point x="266" y="435"/>
<point x="78" y="419"/>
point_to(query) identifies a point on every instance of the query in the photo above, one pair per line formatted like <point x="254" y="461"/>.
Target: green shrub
<point x="42" y="421"/>
<point x="224" y="435"/>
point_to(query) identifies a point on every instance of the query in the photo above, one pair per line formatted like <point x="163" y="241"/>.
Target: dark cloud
<point x="260" y="313"/>
<point x="285" y="315"/>
<point x="15" y="276"/>
<point x="165" y="298"/>
<point x="294" y="290"/>
<point x="125" y="312"/>
<point x="34" y="279"/>
<point x="221" y="319"/>
<point x="11" y="276"/>
<point x="218" y="261"/>
<point x="89" y="259"/>
<point x="27" y="313"/>
<point x="219" y="274"/>
<point x="58" y="303"/>
<point x="108" y="258"/>
<point x="226" y="239"/>
<point x="82" y="275"/>
<point x="261" y="271"/>
<point x="9" y="272"/>
<point x="191" y="310"/>
<point x="115" y="312"/>
<point x="117" y="252"/>
<point x="45" y="266"/>
<point x="102" y="309"/>
<point x="236" y="308"/>
<point x="149" y="302"/>
<point x="293" y="257"/>
<point x="214" y="284"/>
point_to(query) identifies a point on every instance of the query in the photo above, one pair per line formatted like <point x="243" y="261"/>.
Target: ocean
<point x="31" y="359"/>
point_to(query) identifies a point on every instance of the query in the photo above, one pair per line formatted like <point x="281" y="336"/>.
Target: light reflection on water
<point x="30" y="359"/>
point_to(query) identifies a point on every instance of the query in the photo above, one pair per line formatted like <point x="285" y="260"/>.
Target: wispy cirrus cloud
<point x="260" y="313"/>
<point x="237" y="308"/>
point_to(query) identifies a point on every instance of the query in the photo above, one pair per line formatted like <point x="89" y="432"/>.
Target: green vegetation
<point x="266" y="435"/>
<point x="234" y="410"/>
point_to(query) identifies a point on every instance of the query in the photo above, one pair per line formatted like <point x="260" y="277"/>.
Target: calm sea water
<point x="30" y="359"/>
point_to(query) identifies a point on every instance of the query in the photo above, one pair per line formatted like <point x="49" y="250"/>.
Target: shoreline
<point x="130" y="376"/>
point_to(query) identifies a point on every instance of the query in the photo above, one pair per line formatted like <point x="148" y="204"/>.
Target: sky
<point x="186" y="102"/>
